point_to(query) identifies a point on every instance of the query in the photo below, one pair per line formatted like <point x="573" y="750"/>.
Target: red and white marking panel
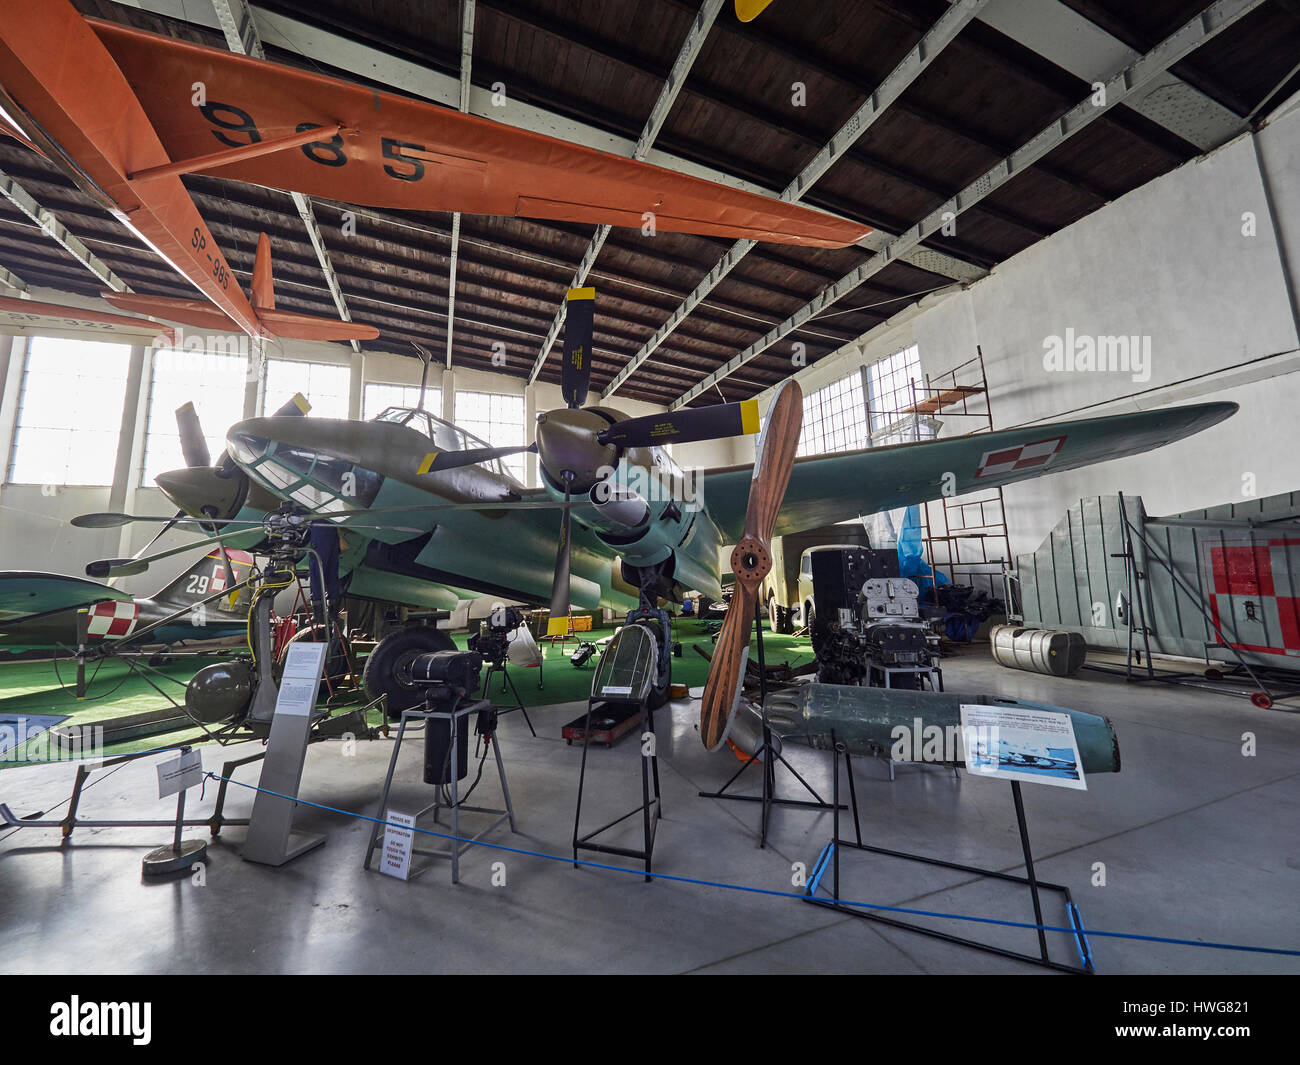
<point x="1014" y="459"/>
<point x="1252" y="592"/>
<point x="112" y="621"/>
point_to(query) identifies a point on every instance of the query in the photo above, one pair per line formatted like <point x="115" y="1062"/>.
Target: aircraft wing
<point x="25" y="594"/>
<point x="396" y="152"/>
<point x="19" y="317"/>
<point x="830" y="488"/>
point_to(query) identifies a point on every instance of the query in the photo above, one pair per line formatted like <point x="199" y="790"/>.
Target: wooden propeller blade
<point x="751" y="560"/>
<point x="774" y="460"/>
<point x="727" y="668"/>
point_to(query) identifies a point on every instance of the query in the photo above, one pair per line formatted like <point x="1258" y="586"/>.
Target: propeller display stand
<point x="769" y="755"/>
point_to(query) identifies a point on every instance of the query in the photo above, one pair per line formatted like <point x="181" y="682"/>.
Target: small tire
<point x="1262" y="699"/>
<point x="388" y="669"/>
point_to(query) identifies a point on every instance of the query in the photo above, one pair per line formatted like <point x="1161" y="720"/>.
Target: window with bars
<point x="325" y="386"/>
<point x="498" y="420"/>
<point x="69" y="412"/>
<point x="834" y="418"/>
<point x="378" y="396"/>
<point x="214" y="383"/>
<point x="889" y="385"/>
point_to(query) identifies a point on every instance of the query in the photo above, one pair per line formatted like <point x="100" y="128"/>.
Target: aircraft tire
<point x="388" y="669"/>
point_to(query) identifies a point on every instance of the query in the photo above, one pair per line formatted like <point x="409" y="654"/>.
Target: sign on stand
<point x="271" y="838"/>
<point x="396" y="859"/>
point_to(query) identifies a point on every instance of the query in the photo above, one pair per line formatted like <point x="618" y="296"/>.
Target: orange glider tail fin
<point x="202" y="314"/>
<point x="263" y="290"/>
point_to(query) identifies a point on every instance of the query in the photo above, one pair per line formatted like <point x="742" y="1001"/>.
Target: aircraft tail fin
<point x="263" y="289"/>
<point x="199" y="312"/>
<point x="206" y="576"/>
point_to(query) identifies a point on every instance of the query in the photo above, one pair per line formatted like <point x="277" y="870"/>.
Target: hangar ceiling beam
<point x="1073" y="42"/>
<point x="57" y="231"/>
<point x="11" y="280"/>
<point x="466" y="63"/>
<point x="1182" y="42"/>
<point x="926" y="50"/>
<point x="325" y="48"/>
<point x="235" y="19"/>
<point x="695" y="37"/>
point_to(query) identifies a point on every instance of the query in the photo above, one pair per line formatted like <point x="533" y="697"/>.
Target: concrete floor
<point x="1199" y="842"/>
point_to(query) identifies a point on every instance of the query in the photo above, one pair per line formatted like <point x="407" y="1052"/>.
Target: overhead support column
<point x="681" y="67"/>
<point x="917" y="60"/>
<point x="466" y="63"/>
<point x="1182" y="42"/>
<point x="235" y="19"/>
<point x="126" y="436"/>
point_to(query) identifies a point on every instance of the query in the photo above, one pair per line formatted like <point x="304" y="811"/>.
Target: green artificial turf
<point x="33" y="687"/>
<point x="563" y="683"/>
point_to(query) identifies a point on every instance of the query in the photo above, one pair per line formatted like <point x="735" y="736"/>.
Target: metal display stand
<point x="458" y="845"/>
<point x="180" y="853"/>
<point x="69" y="822"/>
<point x="831" y="854"/>
<point x="651" y="808"/>
<point x="932" y="674"/>
<point x="770" y="755"/>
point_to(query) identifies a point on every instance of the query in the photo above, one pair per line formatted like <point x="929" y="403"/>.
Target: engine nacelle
<point x="618" y="508"/>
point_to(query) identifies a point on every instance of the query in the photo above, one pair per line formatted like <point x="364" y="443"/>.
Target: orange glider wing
<point x="19" y="316"/>
<point x="394" y="152"/>
<point x="288" y="325"/>
<point x="76" y="106"/>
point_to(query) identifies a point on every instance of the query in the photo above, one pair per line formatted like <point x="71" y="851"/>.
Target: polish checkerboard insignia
<point x="112" y="621"/>
<point x="1014" y="459"/>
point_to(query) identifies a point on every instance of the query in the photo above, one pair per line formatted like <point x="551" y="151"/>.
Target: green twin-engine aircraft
<point x="614" y="517"/>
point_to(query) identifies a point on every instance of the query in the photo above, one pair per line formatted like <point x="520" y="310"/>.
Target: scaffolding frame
<point x="965" y="536"/>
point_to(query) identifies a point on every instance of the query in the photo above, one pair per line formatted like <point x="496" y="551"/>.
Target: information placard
<point x="300" y="681"/>
<point x="180" y="773"/>
<point x="1015" y="743"/>
<point x="396" y="860"/>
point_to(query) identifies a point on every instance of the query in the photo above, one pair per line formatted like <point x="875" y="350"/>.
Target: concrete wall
<point x="1202" y="262"/>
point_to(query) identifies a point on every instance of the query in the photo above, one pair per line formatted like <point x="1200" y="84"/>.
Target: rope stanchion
<point x="569" y="860"/>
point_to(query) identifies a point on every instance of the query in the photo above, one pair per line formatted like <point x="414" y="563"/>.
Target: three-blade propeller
<point x="751" y="561"/>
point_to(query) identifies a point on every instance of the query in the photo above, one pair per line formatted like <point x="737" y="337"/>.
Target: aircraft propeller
<point x="751" y="560"/>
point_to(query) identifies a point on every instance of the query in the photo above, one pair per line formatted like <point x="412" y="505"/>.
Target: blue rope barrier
<point x="766" y="891"/>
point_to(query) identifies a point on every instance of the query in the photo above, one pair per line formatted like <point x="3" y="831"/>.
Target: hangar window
<point x="69" y="412"/>
<point x="834" y="418"/>
<point x="377" y="397"/>
<point x="890" y="387"/>
<point x="325" y="386"/>
<point x="497" y="419"/>
<point x="213" y="382"/>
